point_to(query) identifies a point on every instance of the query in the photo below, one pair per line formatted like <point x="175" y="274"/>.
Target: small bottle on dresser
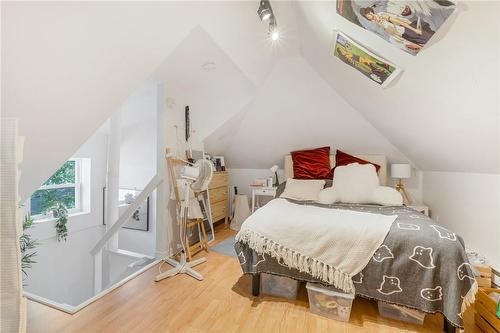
<point x="270" y="182"/>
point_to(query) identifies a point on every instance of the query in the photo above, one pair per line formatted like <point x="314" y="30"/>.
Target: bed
<point x="420" y="265"/>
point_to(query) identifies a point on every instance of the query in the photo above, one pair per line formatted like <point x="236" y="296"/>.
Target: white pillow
<point x="355" y="183"/>
<point x="328" y="196"/>
<point x="303" y="189"/>
<point x="387" y="196"/>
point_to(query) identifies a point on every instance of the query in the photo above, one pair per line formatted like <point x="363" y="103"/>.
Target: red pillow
<point x="342" y="158"/>
<point x="312" y="163"/>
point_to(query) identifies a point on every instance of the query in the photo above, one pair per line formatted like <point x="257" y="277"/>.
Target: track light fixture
<point x="273" y="30"/>
<point x="266" y="14"/>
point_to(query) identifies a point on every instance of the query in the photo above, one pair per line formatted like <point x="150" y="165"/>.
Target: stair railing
<point x="152" y="185"/>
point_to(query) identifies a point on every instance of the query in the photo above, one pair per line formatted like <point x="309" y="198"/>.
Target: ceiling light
<point x="273" y="30"/>
<point x="265" y="12"/>
<point x="275" y="35"/>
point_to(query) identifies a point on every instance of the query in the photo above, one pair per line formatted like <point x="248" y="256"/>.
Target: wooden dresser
<point x="218" y="196"/>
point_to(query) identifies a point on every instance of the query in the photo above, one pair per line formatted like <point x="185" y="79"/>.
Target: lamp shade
<point x="274" y="168"/>
<point x="400" y="170"/>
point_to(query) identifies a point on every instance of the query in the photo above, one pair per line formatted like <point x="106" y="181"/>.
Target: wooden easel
<point x="202" y="244"/>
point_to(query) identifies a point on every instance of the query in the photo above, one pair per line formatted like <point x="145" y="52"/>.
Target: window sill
<point x="49" y="219"/>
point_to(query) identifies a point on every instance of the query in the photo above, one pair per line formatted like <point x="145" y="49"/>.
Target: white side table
<point x="420" y="208"/>
<point x="262" y="191"/>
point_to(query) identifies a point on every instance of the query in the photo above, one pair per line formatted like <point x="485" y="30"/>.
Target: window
<point x="63" y="186"/>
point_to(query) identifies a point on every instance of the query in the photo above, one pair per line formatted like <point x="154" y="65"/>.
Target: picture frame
<point x="408" y="25"/>
<point x="140" y="219"/>
<point x="220" y="164"/>
<point x="358" y="57"/>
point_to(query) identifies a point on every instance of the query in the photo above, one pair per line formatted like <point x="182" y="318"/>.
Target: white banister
<point x="113" y="176"/>
<point x="153" y="183"/>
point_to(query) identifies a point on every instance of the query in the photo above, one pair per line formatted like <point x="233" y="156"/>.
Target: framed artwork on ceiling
<point x="367" y="63"/>
<point x="407" y="24"/>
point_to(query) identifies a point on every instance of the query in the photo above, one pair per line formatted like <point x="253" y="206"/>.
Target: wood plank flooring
<point x="221" y="303"/>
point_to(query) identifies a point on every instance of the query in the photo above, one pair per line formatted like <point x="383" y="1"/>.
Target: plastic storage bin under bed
<point x="279" y="286"/>
<point x="396" y="312"/>
<point x="329" y="303"/>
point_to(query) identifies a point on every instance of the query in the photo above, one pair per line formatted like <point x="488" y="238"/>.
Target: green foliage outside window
<point x="43" y="200"/>
<point x="65" y="175"/>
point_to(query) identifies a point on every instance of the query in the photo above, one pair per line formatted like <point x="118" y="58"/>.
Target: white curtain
<point x="12" y="303"/>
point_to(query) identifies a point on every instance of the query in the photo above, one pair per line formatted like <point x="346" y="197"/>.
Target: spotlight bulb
<point x="275" y="35"/>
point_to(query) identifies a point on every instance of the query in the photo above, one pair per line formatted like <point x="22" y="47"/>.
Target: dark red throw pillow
<point x="312" y="163"/>
<point x="342" y="158"/>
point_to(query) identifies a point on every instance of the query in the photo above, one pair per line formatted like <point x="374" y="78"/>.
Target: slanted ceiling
<point x="199" y="73"/>
<point x="67" y="66"/>
<point x="443" y="112"/>
<point x="294" y="109"/>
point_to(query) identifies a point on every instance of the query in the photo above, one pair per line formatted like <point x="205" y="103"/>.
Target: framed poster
<point x="406" y="24"/>
<point x="372" y="66"/>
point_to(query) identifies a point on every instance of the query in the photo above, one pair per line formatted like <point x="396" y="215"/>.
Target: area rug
<point x="225" y="247"/>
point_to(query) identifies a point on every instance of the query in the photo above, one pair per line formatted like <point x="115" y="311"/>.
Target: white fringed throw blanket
<point x="332" y="245"/>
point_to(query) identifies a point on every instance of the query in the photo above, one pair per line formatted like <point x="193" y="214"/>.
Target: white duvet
<point x="332" y="245"/>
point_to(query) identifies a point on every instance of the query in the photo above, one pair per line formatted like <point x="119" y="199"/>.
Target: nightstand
<point x="262" y="191"/>
<point x="420" y="208"/>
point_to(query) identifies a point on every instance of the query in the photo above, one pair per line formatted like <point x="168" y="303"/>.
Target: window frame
<point x="78" y="189"/>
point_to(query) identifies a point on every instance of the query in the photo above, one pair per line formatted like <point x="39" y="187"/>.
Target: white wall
<point x="468" y="204"/>
<point x="213" y="95"/>
<point x="138" y="161"/>
<point x="295" y="109"/>
<point x="242" y="178"/>
<point x="64" y="270"/>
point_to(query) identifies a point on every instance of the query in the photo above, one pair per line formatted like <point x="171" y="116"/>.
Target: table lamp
<point x="274" y="169"/>
<point x="401" y="171"/>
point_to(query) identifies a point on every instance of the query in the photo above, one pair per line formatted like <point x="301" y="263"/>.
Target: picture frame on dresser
<point x="220" y="164"/>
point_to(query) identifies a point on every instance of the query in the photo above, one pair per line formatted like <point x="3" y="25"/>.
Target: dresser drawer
<point x="219" y="179"/>
<point x="218" y="194"/>
<point x="219" y="210"/>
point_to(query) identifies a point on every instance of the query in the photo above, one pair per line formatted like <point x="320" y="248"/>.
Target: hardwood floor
<point x="221" y="303"/>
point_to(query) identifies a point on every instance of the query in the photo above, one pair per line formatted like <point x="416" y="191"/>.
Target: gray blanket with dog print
<point x="420" y="265"/>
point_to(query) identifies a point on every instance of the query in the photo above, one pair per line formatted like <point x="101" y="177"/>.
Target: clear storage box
<point x="400" y="313"/>
<point x="329" y="303"/>
<point x="279" y="286"/>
